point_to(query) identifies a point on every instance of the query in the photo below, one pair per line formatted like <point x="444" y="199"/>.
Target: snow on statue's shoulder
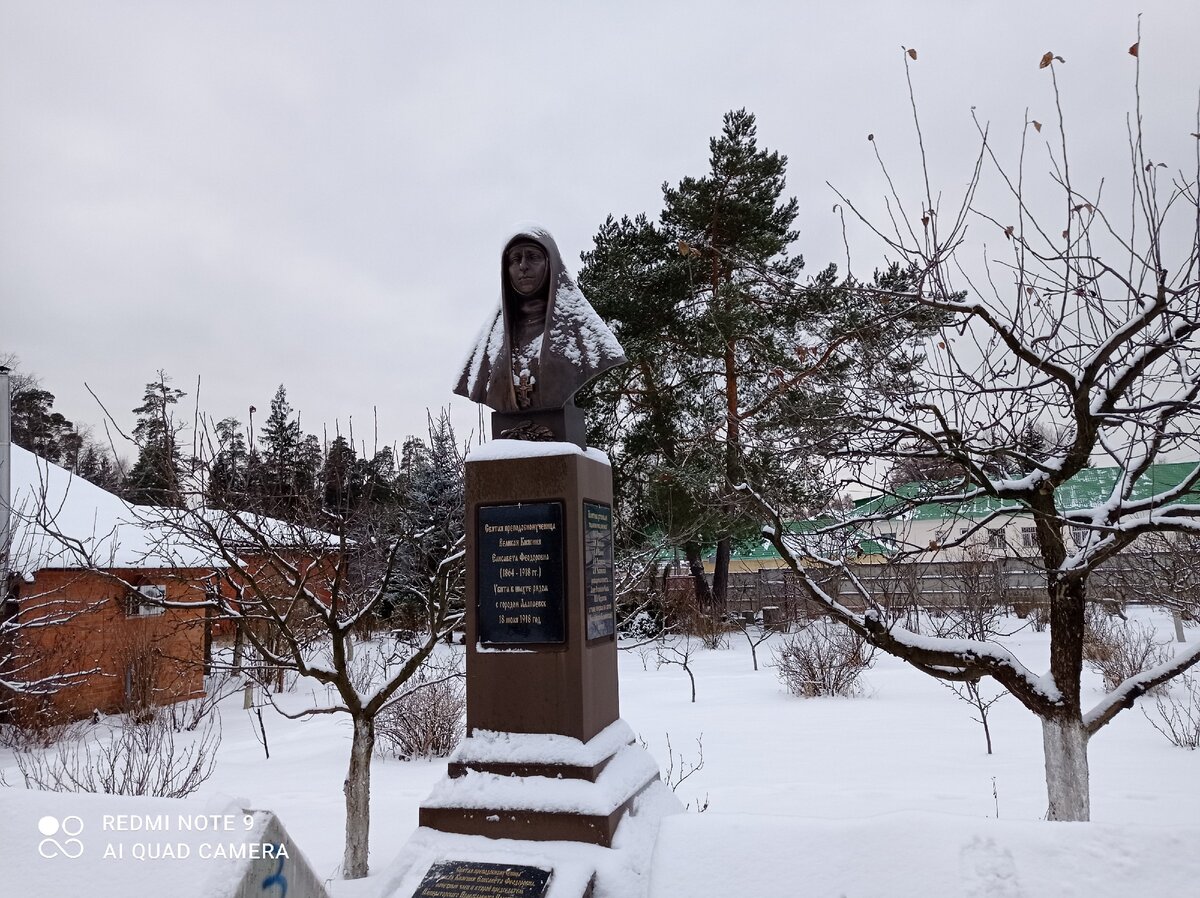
<point x="487" y="346"/>
<point x="502" y="449"/>
<point x="579" y="333"/>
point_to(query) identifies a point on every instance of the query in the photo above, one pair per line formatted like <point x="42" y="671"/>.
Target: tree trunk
<point x="720" y="587"/>
<point x="1065" y="743"/>
<point x="358" y="799"/>
<point x="239" y="642"/>
<point x="1064" y="739"/>
<point x="208" y="640"/>
<point x="696" y="566"/>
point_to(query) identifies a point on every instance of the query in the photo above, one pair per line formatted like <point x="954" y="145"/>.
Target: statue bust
<point x="544" y="342"/>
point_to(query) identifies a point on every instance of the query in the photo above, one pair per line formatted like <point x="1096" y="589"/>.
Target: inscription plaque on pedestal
<point x="598" y="571"/>
<point x="467" y="879"/>
<point x="520" y="574"/>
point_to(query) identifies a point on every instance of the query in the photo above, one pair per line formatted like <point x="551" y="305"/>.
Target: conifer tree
<point x="379" y="477"/>
<point x="229" y="476"/>
<point x="431" y="494"/>
<point x="341" y="477"/>
<point x="731" y="356"/>
<point x="97" y="466"/>
<point x="36" y="426"/>
<point x="155" y="477"/>
<point x="716" y="317"/>
<point x="286" y="469"/>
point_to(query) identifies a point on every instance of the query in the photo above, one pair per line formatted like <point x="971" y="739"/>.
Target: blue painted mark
<point x="277" y="878"/>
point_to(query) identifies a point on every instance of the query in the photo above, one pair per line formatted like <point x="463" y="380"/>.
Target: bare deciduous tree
<point x="302" y="597"/>
<point x="1166" y="573"/>
<point x="301" y="594"/>
<point x="1086" y="332"/>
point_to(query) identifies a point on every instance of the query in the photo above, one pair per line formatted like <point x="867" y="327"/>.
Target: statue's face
<point x="527" y="268"/>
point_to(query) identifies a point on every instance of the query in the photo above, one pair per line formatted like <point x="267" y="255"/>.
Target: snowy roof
<point x="62" y="521"/>
<point x="242" y="530"/>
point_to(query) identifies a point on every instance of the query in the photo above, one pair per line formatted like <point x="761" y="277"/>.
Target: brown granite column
<point x="531" y="666"/>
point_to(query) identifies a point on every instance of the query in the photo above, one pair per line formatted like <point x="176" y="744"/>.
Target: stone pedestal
<point x="547" y="758"/>
<point x="545" y="743"/>
<point x="546" y="675"/>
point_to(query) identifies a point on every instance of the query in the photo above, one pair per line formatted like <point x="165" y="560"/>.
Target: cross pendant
<point x="523" y="386"/>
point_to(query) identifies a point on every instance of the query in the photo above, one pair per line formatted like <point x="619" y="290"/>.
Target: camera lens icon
<point x="70" y="826"/>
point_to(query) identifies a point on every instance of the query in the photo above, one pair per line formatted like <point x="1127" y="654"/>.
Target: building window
<point x="146" y="601"/>
<point x="1029" y="537"/>
<point x="996" y="539"/>
<point x="1079" y="535"/>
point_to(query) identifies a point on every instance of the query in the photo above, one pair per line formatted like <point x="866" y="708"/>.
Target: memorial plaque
<point x="520" y="574"/>
<point x="598" y="571"/>
<point x="467" y="879"/>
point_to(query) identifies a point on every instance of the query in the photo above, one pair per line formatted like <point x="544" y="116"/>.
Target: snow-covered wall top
<point x="498" y="449"/>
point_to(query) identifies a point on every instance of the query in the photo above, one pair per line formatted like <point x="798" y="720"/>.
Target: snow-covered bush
<point x="138" y="757"/>
<point x="428" y="720"/>
<point x="1179" y="718"/>
<point x="824" y="658"/>
<point x="641" y="626"/>
<point x="1118" y="651"/>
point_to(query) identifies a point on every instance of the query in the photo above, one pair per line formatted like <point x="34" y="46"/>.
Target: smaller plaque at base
<point x="470" y="879"/>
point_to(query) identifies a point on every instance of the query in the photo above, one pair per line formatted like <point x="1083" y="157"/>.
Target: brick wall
<point x="92" y="630"/>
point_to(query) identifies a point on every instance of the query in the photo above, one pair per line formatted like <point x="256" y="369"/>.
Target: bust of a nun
<point x="543" y="343"/>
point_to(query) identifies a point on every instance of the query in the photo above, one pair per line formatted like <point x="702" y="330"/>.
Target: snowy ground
<point x="905" y="757"/>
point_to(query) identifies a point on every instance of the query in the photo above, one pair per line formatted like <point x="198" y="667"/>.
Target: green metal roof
<point x="1086" y="489"/>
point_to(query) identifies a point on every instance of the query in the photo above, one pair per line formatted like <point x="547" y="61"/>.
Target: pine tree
<point x="431" y="490"/>
<point x="36" y="426"/>
<point x="155" y="477"/>
<point x="284" y="475"/>
<point x="379" y="478"/>
<point x="715" y="316"/>
<point x="731" y="356"/>
<point x="229" y="476"/>
<point x="341" y="477"/>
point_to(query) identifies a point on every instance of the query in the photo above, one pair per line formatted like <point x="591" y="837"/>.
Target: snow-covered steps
<point x="540" y="787"/>
<point x="578" y="870"/>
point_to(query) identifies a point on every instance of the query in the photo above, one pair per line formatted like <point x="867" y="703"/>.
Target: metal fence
<point x="935" y="585"/>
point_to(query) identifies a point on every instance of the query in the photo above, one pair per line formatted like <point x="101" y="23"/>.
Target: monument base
<point x="449" y="864"/>
<point x="540" y="787"/>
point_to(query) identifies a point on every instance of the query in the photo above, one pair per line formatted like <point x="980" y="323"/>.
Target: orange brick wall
<point x="98" y="633"/>
<point x="319" y="573"/>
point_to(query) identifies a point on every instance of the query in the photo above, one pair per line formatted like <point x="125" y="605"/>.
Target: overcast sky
<point x="316" y="194"/>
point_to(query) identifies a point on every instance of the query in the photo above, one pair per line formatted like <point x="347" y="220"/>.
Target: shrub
<point x="32" y="722"/>
<point x="142" y="757"/>
<point x="641" y="626"/>
<point x="823" y="658"/>
<point x="427" y="721"/>
<point x="1118" y="651"/>
<point x="1179" y="719"/>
